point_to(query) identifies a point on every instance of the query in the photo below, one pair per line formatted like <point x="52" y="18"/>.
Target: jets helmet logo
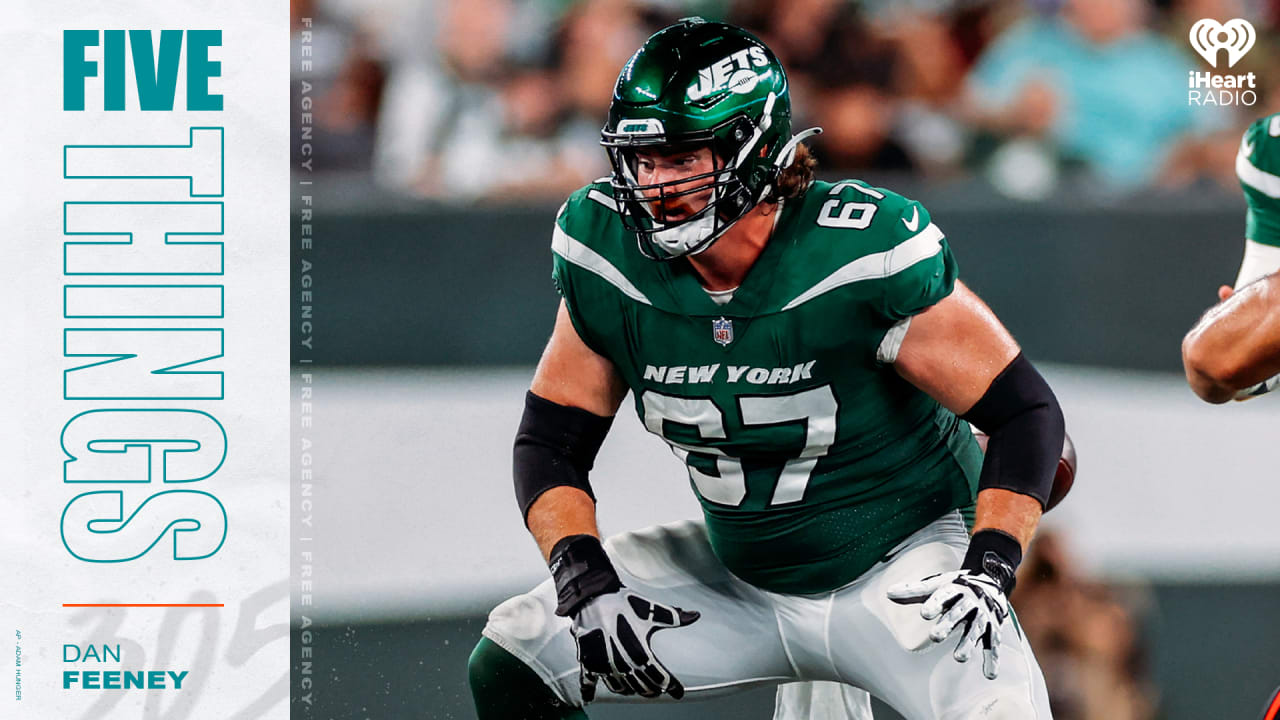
<point x="641" y="126"/>
<point x="734" y="73"/>
<point x="722" y="331"/>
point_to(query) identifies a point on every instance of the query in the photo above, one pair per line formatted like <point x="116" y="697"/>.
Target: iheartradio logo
<point x="1209" y="36"/>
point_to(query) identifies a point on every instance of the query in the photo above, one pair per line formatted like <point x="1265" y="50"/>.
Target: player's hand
<point x="1224" y="292"/>
<point x="971" y="602"/>
<point x="614" y="633"/>
<point x="612" y="626"/>
<point x="973" y="599"/>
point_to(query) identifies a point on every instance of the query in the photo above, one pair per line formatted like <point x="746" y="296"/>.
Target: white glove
<point x="613" y="632"/>
<point x="972" y="602"/>
<point x="1261" y="388"/>
<point x="973" y="599"/>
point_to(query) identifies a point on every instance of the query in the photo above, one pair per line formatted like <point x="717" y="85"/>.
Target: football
<point x="1062" y="480"/>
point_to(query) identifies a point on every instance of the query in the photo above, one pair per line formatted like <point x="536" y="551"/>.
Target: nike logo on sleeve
<point x="914" y="223"/>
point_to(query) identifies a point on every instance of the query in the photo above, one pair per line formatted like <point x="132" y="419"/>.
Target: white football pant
<point x="853" y="636"/>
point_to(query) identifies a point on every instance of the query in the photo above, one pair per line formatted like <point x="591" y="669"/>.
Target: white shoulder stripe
<point x="584" y="257"/>
<point x="921" y="246"/>
<point x="1259" y="261"/>
<point x="887" y="353"/>
<point x="603" y="199"/>
<point x="1256" y="178"/>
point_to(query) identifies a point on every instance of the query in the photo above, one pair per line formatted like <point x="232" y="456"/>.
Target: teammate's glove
<point x="1261" y="388"/>
<point x="973" y="599"/>
<point x="612" y="625"/>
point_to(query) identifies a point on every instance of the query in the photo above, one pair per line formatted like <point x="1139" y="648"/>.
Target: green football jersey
<point x="1258" y="167"/>
<point x="811" y="457"/>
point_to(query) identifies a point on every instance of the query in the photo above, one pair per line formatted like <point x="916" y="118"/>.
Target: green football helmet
<point x="698" y="84"/>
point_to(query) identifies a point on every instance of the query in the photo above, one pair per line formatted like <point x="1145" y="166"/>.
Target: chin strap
<point x="788" y="153"/>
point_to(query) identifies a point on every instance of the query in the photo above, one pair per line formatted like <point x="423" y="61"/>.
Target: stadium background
<point x="1086" y="202"/>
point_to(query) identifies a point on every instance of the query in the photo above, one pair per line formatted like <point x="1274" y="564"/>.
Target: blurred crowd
<point x="466" y="100"/>
<point x="1087" y="636"/>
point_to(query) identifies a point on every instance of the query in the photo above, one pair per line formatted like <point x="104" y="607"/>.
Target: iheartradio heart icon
<point x="1209" y="36"/>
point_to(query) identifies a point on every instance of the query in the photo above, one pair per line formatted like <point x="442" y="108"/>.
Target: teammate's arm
<point x="568" y="410"/>
<point x="958" y="352"/>
<point x="1256" y="168"/>
<point x="1236" y="344"/>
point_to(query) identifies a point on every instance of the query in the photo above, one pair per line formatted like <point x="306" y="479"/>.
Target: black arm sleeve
<point x="555" y="445"/>
<point x="1021" y="415"/>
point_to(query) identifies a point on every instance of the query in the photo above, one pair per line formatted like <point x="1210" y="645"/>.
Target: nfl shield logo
<point x="722" y="331"/>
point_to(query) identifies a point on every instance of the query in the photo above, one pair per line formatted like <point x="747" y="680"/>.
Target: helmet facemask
<point x="734" y="146"/>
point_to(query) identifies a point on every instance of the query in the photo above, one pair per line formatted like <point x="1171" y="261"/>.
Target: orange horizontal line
<point x="139" y="605"/>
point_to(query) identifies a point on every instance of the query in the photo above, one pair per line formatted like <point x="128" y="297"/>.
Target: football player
<point x="806" y="349"/>
<point x="1258" y="168"/>
<point x="1226" y="354"/>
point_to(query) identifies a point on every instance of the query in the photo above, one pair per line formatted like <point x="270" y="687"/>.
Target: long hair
<point x="796" y="178"/>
